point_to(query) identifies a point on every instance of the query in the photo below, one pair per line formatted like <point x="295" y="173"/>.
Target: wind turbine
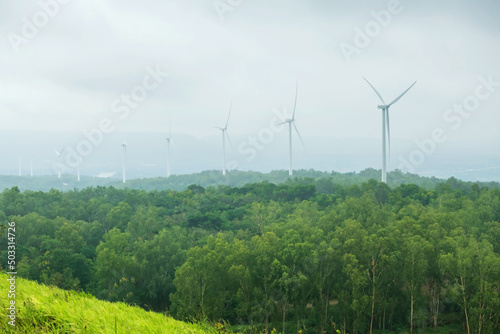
<point x="169" y="141"/>
<point x="290" y="122"/>
<point x="20" y="163"/>
<point x="31" y="166"/>
<point x="386" y="130"/>
<point x="124" y="156"/>
<point x="59" y="156"/>
<point x="78" y="167"/>
<point x="224" y="135"/>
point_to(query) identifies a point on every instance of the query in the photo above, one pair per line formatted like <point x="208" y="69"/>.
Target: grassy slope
<point x="43" y="309"/>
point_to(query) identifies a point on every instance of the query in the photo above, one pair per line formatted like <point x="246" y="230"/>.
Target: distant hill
<point x="43" y="309"/>
<point x="215" y="178"/>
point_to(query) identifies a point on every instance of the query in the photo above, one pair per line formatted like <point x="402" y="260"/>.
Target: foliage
<point x="309" y="254"/>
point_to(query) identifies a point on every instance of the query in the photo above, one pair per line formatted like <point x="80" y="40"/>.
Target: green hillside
<point x="45" y="309"/>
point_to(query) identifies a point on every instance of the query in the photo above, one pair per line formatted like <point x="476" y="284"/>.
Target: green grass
<point x="45" y="309"/>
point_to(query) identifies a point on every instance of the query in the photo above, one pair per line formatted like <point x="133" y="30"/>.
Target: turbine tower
<point x="124" y="157"/>
<point x="224" y="135"/>
<point x="290" y="122"/>
<point x="169" y="141"/>
<point x="31" y="166"/>
<point x="386" y="130"/>
<point x="20" y="163"/>
<point x="78" y="167"/>
<point x="59" y="156"/>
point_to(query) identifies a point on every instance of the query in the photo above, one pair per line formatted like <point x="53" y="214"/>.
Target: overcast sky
<point x="64" y="72"/>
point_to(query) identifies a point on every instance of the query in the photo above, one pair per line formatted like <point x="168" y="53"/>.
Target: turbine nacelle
<point x="287" y="121"/>
<point x="59" y="153"/>
<point x="383" y="107"/>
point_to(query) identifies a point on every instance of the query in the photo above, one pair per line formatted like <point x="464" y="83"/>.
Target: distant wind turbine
<point x="78" y="167"/>
<point x="386" y="130"/>
<point x="224" y="135"/>
<point x="169" y="141"/>
<point x="290" y="122"/>
<point x="31" y="166"/>
<point x="59" y="156"/>
<point x="124" y="158"/>
<point x="20" y="163"/>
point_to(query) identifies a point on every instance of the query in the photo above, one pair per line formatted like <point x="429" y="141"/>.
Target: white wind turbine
<point x="59" y="156"/>
<point x="386" y="130"/>
<point x="124" y="158"/>
<point x="290" y="122"/>
<point x="224" y="135"/>
<point x="78" y="167"/>
<point x="169" y="141"/>
<point x="20" y="163"/>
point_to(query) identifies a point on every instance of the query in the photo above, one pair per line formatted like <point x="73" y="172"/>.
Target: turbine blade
<point x="378" y="94"/>
<point x="283" y="123"/>
<point x="229" y="115"/>
<point x="230" y="143"/>
<point x="300" y="137"/>
<point x="400" y="96"/>
<point x="57" y="152"/>
<point x="295" y="104"/>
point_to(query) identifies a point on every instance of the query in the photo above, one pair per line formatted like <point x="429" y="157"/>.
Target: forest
<point x="304" y="256"/>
